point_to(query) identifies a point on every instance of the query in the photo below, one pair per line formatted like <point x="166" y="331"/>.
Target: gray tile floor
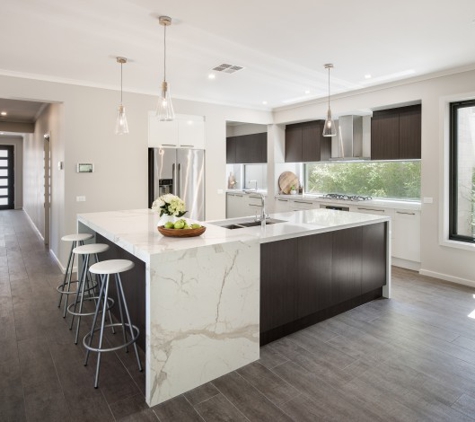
<point x="411" y="358"/>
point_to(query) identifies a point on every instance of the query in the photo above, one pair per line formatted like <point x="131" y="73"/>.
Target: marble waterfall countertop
<point x="202" y="294"/>
<point x="136" y="232"/>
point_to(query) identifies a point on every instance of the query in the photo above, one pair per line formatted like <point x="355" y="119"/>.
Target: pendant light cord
<point x="328" y="87"/>
<point x="121" y="83"/>
<point x="164" y="53"/>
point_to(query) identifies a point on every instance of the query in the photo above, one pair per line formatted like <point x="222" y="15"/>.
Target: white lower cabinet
<point x="282" y="205"/>
<point x="299" y="205"/>
<point x="369" y="210"/>
<point x="242" y="205"/>
<point x="236" y="205"/>
<point x="406" y="235"/>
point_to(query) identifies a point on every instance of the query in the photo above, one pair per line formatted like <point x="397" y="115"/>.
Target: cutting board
<point x="286" y="180"/>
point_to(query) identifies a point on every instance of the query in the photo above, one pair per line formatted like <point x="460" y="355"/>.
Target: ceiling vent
<point x="227" y="68"/>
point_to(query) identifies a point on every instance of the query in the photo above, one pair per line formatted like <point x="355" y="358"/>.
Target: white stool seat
<point x="77" y="237"/>
<point x="112" y="266"/>
<point x="91" y="248"/>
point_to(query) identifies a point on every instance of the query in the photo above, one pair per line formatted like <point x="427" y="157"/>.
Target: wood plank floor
<point x="411" y="358"/>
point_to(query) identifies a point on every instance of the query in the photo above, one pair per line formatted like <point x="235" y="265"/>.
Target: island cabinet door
<point x="346" y="264"/>
<point x="315" y="271"/>
<point x="374" y="257"/>
<point x="279" y="275"/>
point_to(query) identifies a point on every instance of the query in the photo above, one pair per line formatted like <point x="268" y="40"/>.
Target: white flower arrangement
<point x="169" y="204"/>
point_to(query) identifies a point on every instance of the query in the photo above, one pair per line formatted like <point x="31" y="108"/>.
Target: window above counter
<point x="393" y="180"/>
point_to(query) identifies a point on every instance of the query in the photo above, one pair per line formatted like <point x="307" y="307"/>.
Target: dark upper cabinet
<point x="396" y="134"/>
<point x="231" y="150"/>
<point x="293" y="143"/>
<point x="304" y="142"/>
<point x="246" y="149"/>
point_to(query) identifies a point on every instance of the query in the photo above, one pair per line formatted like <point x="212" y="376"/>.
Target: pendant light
<point x="121" y="126"/>
<point x="329" y="128"/>
<point x="165" y="107"/>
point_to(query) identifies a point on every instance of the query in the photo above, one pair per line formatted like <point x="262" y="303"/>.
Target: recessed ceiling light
<point x="307" y="91"/>
<point x="367" y="76"/>
<point x="3" y="113"/>
<point x="264" y="102"/>
<point x="211" y="76"/>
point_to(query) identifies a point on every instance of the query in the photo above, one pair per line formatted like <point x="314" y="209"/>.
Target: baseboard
<point x="58" y="262"/>
<point x="404" y="263"/>
<point x="34" y="226"/>
<point x="446" y="277"/>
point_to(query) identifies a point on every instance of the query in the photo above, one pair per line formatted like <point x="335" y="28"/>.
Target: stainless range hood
<point x="353" y="139"/>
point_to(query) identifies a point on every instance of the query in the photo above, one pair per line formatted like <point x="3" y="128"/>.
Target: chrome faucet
<point x="263" y="216"/>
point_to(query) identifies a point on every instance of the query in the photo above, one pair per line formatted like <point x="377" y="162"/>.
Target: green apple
<point x="195" y="226"/>
<point x="179" y="224"/>
<point x="169" y="225"/>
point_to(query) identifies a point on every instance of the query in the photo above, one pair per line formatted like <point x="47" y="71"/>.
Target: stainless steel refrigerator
<point x="180" y="171"/>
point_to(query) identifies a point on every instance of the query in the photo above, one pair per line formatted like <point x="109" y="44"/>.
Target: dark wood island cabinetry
<point x="311" y="278"/>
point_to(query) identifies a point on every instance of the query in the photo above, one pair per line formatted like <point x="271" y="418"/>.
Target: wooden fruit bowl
<point x="181" y="232"/>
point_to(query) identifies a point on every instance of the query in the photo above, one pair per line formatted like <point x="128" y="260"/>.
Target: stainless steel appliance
<point x="180" y="171"/>
<point x="335" y="207"/>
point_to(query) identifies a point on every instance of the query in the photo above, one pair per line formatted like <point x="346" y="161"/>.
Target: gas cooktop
<point x="347" y="197"/>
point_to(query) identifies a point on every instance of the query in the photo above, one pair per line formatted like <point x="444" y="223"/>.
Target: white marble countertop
<point x="136" y="230"/>
<point x="379" y="203"/>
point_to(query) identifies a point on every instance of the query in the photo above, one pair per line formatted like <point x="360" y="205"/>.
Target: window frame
<point x="453" y="170"/>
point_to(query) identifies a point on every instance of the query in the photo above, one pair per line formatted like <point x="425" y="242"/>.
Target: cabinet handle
<point x="303" y="202"/>
<point x="405" y="213"/>
<point x="168" y="145"/>
<point x="187" y="146"/>
<point x="255" y="205"/>
<point x="283" y="200"/>
<point x="370" y="209"/>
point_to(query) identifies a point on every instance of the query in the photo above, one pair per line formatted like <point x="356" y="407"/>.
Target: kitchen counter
<point x="380" y="203"/>
<point x="202" y="294"/>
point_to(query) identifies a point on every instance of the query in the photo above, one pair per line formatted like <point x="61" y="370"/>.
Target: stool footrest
<point x="111" y="349"/>
<point x="110" y="304"/>
<point x="62" y="286"/>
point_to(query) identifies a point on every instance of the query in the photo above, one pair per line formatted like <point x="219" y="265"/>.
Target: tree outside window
<point x="390" y="180"/>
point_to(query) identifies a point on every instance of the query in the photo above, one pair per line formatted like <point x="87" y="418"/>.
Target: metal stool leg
<point x="66" y="274"/>
<point x="94" y="320"/>
<point x="129" y="322"/>
<point x="101" y="332"/>
<point x="119" y="299"/>
<point x="83" y="292"/>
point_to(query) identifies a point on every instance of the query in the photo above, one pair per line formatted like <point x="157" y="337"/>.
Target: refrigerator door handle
<point x="174" y="179"/>
<point x="178" y="176"/>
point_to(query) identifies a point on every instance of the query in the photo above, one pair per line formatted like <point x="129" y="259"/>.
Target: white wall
<point x="85" y="122"/>
<point x="17" y="142"/>
<point x="438" y="259"/>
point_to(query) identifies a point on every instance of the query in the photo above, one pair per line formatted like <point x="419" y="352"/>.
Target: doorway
<point x="7" y="182"/>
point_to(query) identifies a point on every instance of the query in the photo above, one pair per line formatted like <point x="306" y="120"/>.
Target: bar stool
<point x="86" y="286"/>
<point x="106" y="269"/>
<point x="77" y="239"/>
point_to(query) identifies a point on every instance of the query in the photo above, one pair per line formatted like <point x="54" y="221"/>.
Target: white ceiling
<point x="282" y="45"/>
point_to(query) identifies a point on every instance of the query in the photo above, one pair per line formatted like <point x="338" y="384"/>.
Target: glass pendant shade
<point x="165" y="106"/>
<point x="329" y="128"/>
<point x="121" y="126"/>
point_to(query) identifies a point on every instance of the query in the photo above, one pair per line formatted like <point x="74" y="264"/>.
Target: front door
<point x="6" y="177"/>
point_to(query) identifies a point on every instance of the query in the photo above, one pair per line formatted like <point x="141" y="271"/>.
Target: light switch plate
<point x="427" y="200"/>
<point x="80" y="199"/>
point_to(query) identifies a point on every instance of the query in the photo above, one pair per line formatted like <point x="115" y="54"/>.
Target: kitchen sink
<point x="252" y="223"/>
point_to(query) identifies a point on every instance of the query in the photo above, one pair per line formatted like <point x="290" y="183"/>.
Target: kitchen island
<point x="208" y="301"/>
